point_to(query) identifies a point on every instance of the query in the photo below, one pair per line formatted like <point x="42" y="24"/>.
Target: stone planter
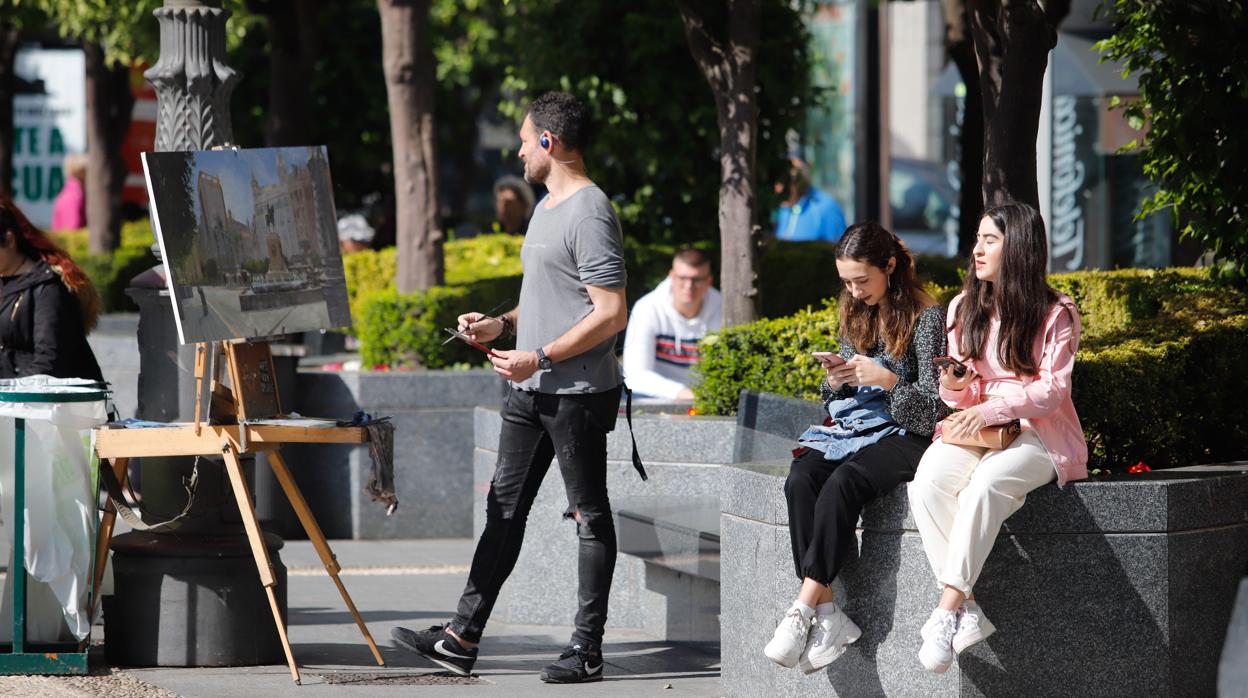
<point x="682" y="456"/>
<point x="432" y="413"/>
<point x="1105" y="588"/>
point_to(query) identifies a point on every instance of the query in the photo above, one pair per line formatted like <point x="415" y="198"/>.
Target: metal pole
<point x="19" y="535"/>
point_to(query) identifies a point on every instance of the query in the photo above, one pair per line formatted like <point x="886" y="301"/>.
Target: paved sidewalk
<point x="410" y="583"/>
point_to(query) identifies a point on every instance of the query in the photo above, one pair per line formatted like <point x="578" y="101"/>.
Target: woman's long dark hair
<point x="1021" y="297"/>
<point x="33" y="243"/>
<point x="870" y="243"/>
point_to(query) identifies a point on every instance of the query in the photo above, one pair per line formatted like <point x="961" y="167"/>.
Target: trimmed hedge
<point x="368" y="273"/>
<point x="1159" y="376"/>
<point x="111" y="273"/>
<point x="400" y="330"/>
<point x="793" y="275"/>
<point x="482" y="257"/>
<point x="404" y="330"/>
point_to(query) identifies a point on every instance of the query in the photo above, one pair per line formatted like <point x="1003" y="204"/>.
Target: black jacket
<point x="41" y="328"/>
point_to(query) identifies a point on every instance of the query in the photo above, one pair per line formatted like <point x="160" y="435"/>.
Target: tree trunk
<point x="407" y="59"/>
<point x="728" y="64"/>
<point x="1012" y="41"/>
<point x="109" y="106"/>
<point x="8" y="85"/>
<point x="961" y="50"/>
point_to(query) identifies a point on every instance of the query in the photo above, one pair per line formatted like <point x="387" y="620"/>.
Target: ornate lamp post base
<point x="190" y="601"/>
<point x="194" y="599"/>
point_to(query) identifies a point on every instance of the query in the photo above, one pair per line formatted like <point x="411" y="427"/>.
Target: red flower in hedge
<point x="1139" y="468"/>
<point x="693" y="412"/>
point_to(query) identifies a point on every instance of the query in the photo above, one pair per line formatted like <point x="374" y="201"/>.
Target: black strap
<point x="109" y="479"/>
<point x="628" y="414"/>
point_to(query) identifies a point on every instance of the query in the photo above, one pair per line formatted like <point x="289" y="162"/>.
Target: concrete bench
<point x="653" y="589"/>
<point x="1233" y="669"/>
<point x="1108" y="587"/>
<point x="677" y="541"/>
<point x="678" y="533"/>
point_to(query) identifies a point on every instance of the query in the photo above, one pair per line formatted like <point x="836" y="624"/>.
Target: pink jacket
<point x="1043" y="399"/>
<point x="69" y="207"/>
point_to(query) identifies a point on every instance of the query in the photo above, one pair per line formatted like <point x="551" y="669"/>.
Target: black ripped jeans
<point x="536" y="428"/>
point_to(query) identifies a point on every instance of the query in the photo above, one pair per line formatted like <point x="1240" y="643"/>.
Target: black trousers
<point x="826" y="497"/>
<point x="536" y="428"/>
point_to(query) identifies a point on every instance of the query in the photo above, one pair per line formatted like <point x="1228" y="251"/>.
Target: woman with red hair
<point x="47" y="304"/>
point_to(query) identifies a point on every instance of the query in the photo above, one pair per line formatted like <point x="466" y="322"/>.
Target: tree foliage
<point x="1189" y="58"/>
<point x="656" y="145"/>
<point x="125" y="30"/>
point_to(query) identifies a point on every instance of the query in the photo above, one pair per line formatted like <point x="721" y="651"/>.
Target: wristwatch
<point x="543" y="362"/>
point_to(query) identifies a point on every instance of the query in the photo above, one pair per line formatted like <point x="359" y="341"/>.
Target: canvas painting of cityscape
<point x="249" y="241"/>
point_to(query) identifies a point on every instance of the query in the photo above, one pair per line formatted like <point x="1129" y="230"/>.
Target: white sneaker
<point x="936" y="654"/>
<point x="790" y="639"/>
<point x="973" y="627"/>
<point x="830" y="635"/>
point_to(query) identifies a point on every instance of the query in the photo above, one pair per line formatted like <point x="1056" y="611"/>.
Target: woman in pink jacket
<point x="1018" y="337"/>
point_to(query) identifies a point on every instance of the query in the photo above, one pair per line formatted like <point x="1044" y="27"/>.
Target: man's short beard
<point x="533" y="175"/>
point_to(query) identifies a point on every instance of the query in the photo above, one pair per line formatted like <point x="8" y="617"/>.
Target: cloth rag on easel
<point x="380" y="485"/>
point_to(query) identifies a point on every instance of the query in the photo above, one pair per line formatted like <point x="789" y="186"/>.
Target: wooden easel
<point x="254" y="396"/>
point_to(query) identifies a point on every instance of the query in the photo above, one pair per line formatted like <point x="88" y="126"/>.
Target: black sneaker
<point x="575" y="665"/>
<point x="438" y="645"/>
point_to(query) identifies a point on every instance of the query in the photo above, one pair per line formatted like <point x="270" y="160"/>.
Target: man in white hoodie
<point x="661" y="343"/>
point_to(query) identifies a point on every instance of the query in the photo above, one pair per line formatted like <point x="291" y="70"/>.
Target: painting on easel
<point x="249" y="241"/>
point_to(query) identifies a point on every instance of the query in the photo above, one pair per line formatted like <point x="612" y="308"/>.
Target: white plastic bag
<point x="60" y="512"/>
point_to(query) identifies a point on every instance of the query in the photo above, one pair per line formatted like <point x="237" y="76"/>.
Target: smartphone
<point x="828" y="358"/>
<point x="959" y="368"/>
<point x="470" y="341"/>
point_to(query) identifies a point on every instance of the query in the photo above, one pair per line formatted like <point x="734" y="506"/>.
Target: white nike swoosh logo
<point x="593" y="671"/>
<point x="440" y="648"/>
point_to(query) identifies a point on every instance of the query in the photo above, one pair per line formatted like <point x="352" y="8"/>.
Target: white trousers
<point x="961" y="495"/>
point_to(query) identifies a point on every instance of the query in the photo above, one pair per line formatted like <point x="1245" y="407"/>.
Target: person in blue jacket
<point x="808" y="214"/>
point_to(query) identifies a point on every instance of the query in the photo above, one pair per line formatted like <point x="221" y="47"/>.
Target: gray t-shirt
<point x="577" y="243"/>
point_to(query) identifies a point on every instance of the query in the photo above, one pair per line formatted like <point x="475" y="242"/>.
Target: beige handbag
<point x="994" y="438"/>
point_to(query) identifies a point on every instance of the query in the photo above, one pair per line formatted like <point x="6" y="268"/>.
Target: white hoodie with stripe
<point x="661" y="345"/>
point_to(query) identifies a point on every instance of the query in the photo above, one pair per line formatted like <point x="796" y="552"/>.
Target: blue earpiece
<point x="544" y="142"/>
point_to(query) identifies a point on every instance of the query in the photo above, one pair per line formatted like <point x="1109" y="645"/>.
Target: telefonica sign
<point x="1067" y="243"/>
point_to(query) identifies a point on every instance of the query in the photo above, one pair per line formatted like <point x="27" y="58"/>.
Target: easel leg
<point x="258" y="550"/>
<point x="318" y="541"/>
<point x="105" y="536"/>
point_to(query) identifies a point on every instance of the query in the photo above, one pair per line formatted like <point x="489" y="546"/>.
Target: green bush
<point x="481" y="272"/>
<point x="482" y="257"/>
<point x="111" y="273"/>
<point x="368" y="273"/>
<point x="405" y="329"/>
<point x="794" y="276"/>
<point x="133" y="234"/>
<point x="771" y="355"/>
<point x="1159" y="376"/>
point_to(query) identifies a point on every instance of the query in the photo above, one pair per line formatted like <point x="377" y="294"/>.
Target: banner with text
<point x="49" y="122"/>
